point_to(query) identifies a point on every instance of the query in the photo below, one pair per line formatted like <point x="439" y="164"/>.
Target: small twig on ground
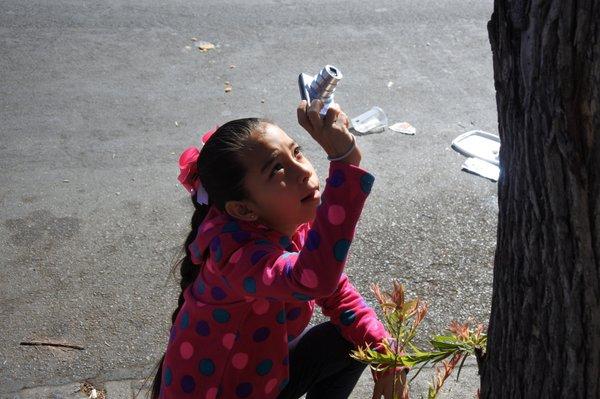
<point x="50" y="343"/>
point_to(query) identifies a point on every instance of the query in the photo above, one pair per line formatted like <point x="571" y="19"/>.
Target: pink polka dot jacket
<point x="256" y="291"/>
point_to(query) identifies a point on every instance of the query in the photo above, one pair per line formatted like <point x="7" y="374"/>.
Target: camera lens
<point x="323" y="85"/>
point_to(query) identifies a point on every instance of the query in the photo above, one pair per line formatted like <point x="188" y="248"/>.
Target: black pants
<point x="321" y="366"/>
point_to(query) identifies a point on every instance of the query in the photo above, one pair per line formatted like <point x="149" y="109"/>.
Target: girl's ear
<point x="240" y="210"/>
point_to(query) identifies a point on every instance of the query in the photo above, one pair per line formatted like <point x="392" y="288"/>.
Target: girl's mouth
<point x="315" y="194"/>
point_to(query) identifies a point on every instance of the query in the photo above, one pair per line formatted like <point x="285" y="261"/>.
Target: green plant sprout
<point x="402" y="319"/>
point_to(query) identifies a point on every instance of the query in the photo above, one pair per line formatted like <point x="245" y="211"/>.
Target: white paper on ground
<point x="403" y="127"/>
<point x="482" y="168"/>
<point x="478" y="144"/>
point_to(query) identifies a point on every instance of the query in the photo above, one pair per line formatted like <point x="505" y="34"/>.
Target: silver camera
<point x="320" y="86"/>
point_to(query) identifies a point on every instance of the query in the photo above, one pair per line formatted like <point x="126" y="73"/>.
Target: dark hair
<point x="222" y="173"/>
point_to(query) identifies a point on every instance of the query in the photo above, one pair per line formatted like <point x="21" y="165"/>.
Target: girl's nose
<point x="304" y="172"/>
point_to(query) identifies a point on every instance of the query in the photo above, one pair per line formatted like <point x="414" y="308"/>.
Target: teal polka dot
<point x="250" y="285"/>
<point x="284" y="241"/>
<point x="283" y="384"/>
<point x="347" y="317"/>
<point x="230" y="227"/>
<point x="301" y="297"/>
<point x="340" y="249"/>
<point x="168" y="376"/>
<point x="200" y="287"/>
<point x="281" y="317"/>
<point x="215" y="246"/>
<point x="195" y="250"/>
<point x="366" y="182"/>
<point x="264" y="367"/>
<point x="206" y="367"/>
<point x="221" y="315"/>
<point x="185" y="320"/>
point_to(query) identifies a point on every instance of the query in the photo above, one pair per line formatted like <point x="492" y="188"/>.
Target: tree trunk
<point x="544" y="332"/>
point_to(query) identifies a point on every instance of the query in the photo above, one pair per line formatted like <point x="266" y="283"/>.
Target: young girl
<point x="267" y="245"/>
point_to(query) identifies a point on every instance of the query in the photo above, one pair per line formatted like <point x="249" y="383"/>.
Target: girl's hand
<point x="331" y="132"/>
<point x="384" y="386"/>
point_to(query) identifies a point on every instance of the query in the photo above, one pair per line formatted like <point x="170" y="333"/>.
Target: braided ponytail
<point x="222" y="175"/>
<point x="189" y="271"/>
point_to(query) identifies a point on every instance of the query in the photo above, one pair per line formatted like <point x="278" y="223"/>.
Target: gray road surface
<point x="98" y="98"/>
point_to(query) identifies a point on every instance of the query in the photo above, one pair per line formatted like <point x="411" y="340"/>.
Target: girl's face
<point x="282" y="184"/>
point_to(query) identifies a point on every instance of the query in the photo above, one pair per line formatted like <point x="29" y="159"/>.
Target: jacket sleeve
<point x="262" y="269"/>
<point x="357" y="321"/>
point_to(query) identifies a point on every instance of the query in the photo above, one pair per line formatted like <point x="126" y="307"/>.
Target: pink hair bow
<point x="188" y="169"/>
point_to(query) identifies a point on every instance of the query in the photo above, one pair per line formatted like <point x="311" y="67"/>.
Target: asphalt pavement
<point x="98" y="98"/>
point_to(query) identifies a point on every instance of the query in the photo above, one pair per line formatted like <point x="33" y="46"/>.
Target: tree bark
<point x="544" y="331"/>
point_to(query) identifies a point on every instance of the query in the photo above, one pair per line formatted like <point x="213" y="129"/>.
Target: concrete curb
<point x="466" y="387"/>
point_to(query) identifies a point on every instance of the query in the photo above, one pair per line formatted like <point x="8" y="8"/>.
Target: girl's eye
<point x="298" y="150"/>
<point x="276" y="168"/>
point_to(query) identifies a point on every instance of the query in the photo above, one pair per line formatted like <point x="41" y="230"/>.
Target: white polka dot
<point x="260" y="306"/>
<point x="336" y="214"/>
<point x="237" y="255"/>
<point x="228" y="340"/>
<point x="239" y="360"/>
<point x="186" y="350"/>
<point x="309" y="278"/>
<point x="270" y="385"/>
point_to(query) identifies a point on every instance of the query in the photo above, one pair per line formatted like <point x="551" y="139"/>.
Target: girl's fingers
<point x="342" y="117"/>
<point x="302" y="116"/>
<point x="313" y="115"/>
<point x="332" y="115"/>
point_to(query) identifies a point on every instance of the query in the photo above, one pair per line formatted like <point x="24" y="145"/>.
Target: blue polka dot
<point x="288" y="268"/>
<point x="200" y="287"/>
<point x="284" y="241"/>
<point x="337" y="178"/>
<point x="206" y="367"/>
<point x="293" y="314"/>
<point x="215" y="247"/>
<point x="241" y="236"/>
<point x="301" y="297"/>
<point x="261" y="334"/>
<point x="283" y="384"/>
<point x="195" y="250"/>
<point x="366" y="182"/>
<point x="185" y="321"/>
<point x="280" y="317"/>
<point x="168" y="376"/>
<point x="256" y="256"/>
<point x="202" y="328"/>
<point x="221" y="315"/>
<point x="340" y="250"/>
<point x="243" y="390"/>
<point x="347" y="317"/>
<point x="250" y="285"/>
<point x="225" y="281"/>
<point x="313" y="240"/>
<point x="218" y="294"/>
<point x="230" y="227"/>
<point x="188" y="384"/>
<point x="264" y="367"/>
<point x="285" y="361"/>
